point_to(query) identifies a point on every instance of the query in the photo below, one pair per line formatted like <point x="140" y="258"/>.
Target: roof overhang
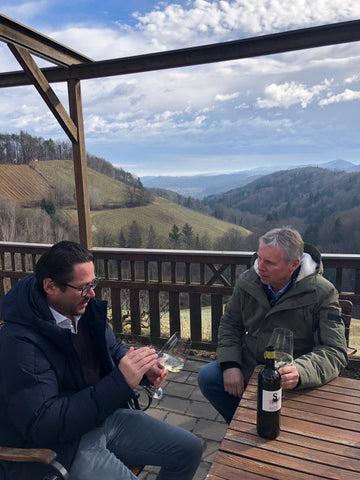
<point x="301" y="39"/>
<point x="38" y="44"/>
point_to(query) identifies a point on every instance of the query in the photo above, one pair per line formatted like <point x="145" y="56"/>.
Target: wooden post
<point x="80" y="166"/>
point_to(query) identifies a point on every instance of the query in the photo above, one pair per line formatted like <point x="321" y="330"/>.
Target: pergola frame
<point x="72" y="67"/>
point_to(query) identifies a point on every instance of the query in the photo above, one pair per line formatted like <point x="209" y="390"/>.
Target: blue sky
<point x="295" y="108"/>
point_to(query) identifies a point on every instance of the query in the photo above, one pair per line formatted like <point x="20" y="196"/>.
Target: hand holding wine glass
<point x="172" y="356"/>
<point x="135" y="363"/>
<point x="282" y="339"/>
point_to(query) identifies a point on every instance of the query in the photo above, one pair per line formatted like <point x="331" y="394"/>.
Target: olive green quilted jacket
<point x="309" y="308"/>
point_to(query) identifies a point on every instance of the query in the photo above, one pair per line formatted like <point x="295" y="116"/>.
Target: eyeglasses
<point x="85" y="290"/>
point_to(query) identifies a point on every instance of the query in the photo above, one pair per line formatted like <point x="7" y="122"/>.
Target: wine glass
<point x="282" y="339"/>
<point x="172" y="356"/>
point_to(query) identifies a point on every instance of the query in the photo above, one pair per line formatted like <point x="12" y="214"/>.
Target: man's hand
<point x="234" y="381"/>
<point x="157" y="375"/>
<point x="135" y="363"/>
<point x="289" y="377"/>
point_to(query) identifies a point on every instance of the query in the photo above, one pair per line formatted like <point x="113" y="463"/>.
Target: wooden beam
<point x="321" y="36"/>
<point x="80" y="166"/>
<point x="38" y="44"/>
<point x="43" y="87"/>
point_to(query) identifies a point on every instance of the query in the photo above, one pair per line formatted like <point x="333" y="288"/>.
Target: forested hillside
<point x="324" y="205"/>
<point x="308" y="193"/>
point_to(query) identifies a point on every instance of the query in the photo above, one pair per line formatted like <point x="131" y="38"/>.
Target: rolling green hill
<point x="162" y="215"/>
<point x="103" y="190"/>
<point x="106" y="194"/>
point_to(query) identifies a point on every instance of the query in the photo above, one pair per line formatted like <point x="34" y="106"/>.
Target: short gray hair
<point x="288" y="239"/>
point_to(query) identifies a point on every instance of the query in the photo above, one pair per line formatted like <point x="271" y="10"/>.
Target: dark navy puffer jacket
<point x="44" y="401"/>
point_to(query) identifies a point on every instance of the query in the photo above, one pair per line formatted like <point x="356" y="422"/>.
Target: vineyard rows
<point x="23" y="184"/>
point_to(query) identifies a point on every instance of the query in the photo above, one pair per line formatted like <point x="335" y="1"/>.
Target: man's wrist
<point x="226" y="365"/>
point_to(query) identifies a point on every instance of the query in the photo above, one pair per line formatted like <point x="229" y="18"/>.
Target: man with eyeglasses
<point x="65" y="380"/>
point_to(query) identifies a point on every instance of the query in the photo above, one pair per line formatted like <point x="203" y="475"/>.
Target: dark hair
<point x="58" y="262"/>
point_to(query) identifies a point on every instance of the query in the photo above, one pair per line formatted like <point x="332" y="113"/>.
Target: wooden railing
<point x="149" y="290"/>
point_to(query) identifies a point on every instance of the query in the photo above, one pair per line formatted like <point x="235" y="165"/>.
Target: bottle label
<point x="271" y="400"/>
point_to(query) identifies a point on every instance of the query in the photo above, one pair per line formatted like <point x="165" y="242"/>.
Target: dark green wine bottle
<point x="269" y="397"/>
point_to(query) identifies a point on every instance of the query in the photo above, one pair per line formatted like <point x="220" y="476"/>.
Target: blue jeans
<point x="211" y="384"/>
<point x="131" y="437"/>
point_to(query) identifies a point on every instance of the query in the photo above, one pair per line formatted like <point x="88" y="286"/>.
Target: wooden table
<point x="319" y="439"/>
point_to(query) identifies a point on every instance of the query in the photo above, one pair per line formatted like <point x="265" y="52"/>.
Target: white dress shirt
<point x="65" y="322"/>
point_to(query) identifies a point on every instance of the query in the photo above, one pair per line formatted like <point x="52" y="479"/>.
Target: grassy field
<point x="354" y="338"/>
<point x="162" y="215"/>
<point x="103" y="190"/>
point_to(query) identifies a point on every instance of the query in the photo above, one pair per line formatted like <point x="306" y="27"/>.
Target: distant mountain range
<point x="201" y="186"/>
<point x="323" y="204"/>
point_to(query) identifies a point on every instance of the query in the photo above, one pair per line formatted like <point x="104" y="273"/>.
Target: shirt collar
<point x="278" y="294"/>
<point x="274" y="297"/>
<point x="65" y="322"/>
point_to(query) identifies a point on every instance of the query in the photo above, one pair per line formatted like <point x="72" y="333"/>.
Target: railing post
<point x="174" y="311"/>
<point x="116" y="310"/>
<point x="357" y="281"/>
<point x="216" y="313"/>
<point x="195" y="317"/>
<point x="135" y="312"/>
<point x="154" y="313"/>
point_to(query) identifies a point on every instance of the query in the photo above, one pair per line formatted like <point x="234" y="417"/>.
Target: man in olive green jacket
<point x="284" y="288"/>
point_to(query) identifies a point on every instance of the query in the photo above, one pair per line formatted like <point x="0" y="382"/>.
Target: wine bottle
<point x="269" y="397"/>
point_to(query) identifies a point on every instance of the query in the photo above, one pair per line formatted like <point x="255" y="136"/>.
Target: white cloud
<point x="97" y="124"/>
<point x="199" y="120"/>
<point x="242" y="106"/>
<point x="225" y="97"/>
<point x="353" y="78"/>
<point x="101" y="43"/>
<point x="175" y="24"/>
<point x="171" y="25"/>
<point x="23" y="11"/>
<point x="346" y="96"/>
<point x="290" y="93"/>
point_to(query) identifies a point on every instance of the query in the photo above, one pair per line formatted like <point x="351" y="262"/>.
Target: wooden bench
<point x="45" y="456"/>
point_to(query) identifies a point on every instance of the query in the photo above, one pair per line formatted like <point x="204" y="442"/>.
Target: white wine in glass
<point x="174" y="352"/>
<point x="282" y="339"/>
<point x="172" y="356"/>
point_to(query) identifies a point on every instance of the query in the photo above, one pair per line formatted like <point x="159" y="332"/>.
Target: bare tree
<point x="46" y="229"/>
<point x="8" y="220"/>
